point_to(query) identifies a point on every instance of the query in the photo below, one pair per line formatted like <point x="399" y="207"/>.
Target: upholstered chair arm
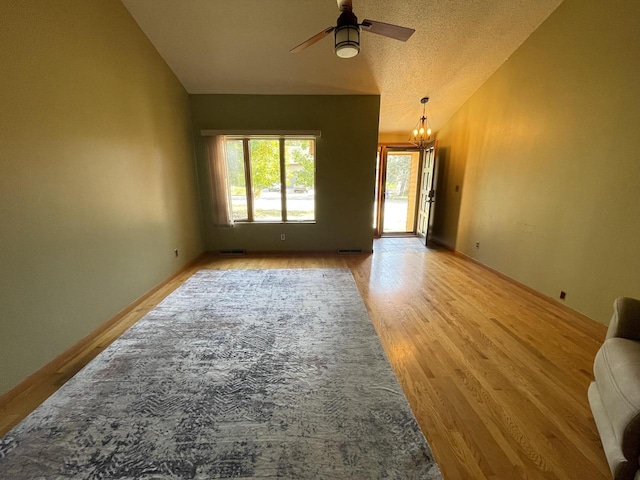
<point x="625" y="322"/>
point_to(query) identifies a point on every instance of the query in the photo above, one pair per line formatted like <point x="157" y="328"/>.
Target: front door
<point x="399" y="193"/>
<point x="427" y="194"/>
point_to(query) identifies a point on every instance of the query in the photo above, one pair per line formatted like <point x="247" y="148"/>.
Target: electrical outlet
<point x="478" y="245"/>
<point x="175" y="251"/>
<point x="563" y="295"/>
<point x="282" y="236"/>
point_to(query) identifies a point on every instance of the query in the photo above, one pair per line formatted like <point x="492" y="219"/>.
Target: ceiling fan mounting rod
<point x="344" y="5"/>
<point x="347" y="17"/>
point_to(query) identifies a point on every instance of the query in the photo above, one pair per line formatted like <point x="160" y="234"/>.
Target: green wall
<point x="547" y="154"/>
<point x="345" y="164"/>
<point x="97" y="182"/>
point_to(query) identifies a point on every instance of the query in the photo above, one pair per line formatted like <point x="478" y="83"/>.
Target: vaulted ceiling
<point x="242" y="47"/>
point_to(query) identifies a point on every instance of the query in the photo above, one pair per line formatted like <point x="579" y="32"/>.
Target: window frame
<point x="283" y="176"/>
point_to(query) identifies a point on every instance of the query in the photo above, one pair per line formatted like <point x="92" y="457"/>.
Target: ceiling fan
<point x="347" y="32"/>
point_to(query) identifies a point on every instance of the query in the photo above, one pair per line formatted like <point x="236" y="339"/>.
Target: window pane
<point x="299" y="159"/>
<point x="265" y="180"/>
<point x="237" y="184"/>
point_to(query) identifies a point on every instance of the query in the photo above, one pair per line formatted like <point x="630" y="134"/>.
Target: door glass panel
<point x="265" y="180"/>
<point x="401" y="192"/>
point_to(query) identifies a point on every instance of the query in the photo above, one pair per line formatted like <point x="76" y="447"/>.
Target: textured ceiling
<point x="242" y="46"/>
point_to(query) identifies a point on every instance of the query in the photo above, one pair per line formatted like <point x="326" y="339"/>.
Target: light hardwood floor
<point x="496" y="376"/>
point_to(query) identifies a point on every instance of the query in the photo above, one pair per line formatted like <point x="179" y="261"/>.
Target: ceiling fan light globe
<point x="347" y="51"/>
<point x="347" y="41"/>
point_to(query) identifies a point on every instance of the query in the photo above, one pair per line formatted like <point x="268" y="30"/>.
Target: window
<point x="271" y="179"/>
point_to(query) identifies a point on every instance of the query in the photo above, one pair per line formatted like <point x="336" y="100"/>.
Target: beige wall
<point x="345" y="167"/>
<point x="395" y="138"/>
<point x="97" y="179"/>
<point x="547" y="153"/>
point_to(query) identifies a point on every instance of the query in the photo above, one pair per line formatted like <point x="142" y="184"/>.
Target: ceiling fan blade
<point x="344" y="5"/>
<point x="312" y="40"/>
<point x="388" y="30"/>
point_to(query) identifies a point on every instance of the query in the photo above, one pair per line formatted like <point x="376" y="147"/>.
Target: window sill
<point x="268" y="222"/>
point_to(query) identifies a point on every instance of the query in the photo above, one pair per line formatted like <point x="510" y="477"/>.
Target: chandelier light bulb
<point x="428" y="131"/>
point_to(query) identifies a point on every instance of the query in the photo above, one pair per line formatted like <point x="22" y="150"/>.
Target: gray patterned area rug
<point x="237" y="374"/>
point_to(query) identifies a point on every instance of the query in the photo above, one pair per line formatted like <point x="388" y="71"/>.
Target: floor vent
<point x="348" y="251"/>
<point x="232" y="252"/>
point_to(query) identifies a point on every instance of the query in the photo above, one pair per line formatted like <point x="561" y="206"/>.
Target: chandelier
<point x="421" y="135"/>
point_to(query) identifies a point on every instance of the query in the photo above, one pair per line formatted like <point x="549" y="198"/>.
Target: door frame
<point x="383" y="150"/>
